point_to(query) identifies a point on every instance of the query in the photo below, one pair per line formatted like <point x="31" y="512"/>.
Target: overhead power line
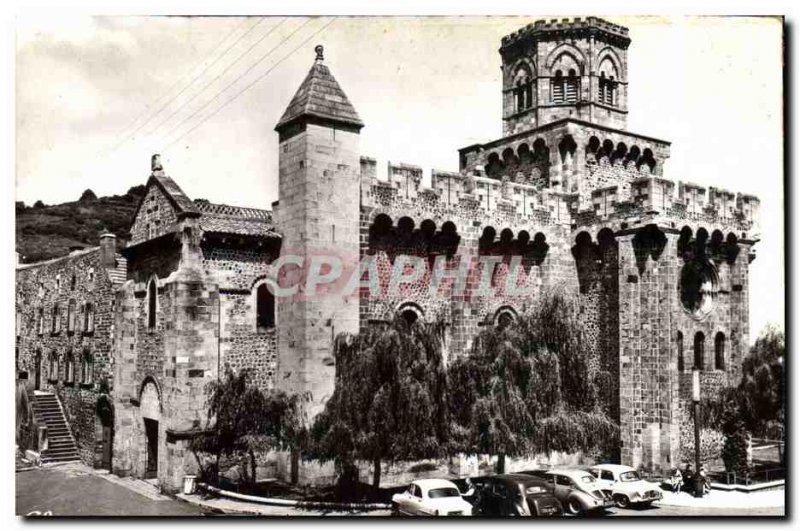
<point x="224" y="71"/>
<point x="194" y="79"/>
<point x="178" y="81"/>
<point x="259" y="78"/>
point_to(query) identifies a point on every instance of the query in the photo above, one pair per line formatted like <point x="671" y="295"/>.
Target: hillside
<point x="49" y="231"/>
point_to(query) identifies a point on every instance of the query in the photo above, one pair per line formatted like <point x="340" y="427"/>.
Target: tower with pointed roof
<point x="318" y="212"/>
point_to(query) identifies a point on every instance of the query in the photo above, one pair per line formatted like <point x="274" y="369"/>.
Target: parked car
<point x="578" y="491"/>
<point x="431" y="497"/>
<point x="625" y="485"/>
<point x="513" y="495"/>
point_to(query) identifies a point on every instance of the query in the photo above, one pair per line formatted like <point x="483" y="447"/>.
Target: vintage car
<point x="431" y="497"/>
<point x="578" y="491"/>
<point x="513" y="495"/>
<point x="625" y="486"/>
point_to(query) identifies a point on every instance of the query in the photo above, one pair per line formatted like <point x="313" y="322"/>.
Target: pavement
<point x="235" y="507"/>
<point x="726" y="500"/>
<point x="77" y="490"/>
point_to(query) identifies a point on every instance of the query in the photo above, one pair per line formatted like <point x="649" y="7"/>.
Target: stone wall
<point x="319" y="169"/>
<point x="72" y="281"/>
<point x="156" y="217"/>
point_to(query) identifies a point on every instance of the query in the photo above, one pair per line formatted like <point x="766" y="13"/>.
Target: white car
<point x="625" y="485"/>
<point x="431" y="497"/>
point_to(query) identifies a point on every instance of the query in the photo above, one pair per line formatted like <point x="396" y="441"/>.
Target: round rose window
<point x="699" y="282"/>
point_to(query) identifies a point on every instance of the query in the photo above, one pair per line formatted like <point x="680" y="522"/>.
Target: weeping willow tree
<point x="528" y="388"/>
<point x="389" y="401"/>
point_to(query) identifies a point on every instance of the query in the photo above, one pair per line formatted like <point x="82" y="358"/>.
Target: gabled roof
<point x="228" y="219"/>
<point x="180" y="202"/>
<point x="183" y="205"/>
<point x="320" y="96"/>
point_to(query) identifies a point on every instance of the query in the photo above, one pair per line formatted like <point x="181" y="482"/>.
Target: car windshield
<point x="629" y="476"/>
<point x="535" y="489"/>
<point x="444" y="492"/>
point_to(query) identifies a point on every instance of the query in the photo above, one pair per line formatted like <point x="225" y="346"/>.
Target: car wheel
<point x="436" y="512"/>
<point x="395" y="509"/>
<point x="574" y="507"/>
<point x="647" y="505"/>
<point x="622" y="501"/>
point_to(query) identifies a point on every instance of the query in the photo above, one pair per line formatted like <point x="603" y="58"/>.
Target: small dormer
<point x="162" y="206"/>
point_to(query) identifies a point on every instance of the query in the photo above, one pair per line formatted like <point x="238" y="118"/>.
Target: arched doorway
<point x="150" y="408"/>
<point x="37" y="378"/>
<point x="105" y="433"/>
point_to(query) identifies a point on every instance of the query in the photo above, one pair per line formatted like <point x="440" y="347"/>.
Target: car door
<point x="606" y="480"/>
<point x="503" y="501"/>
<point x="419" y="501"/>
<point x="562" y="487"/>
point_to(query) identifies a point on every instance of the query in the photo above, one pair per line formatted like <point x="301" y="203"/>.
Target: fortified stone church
<point x="119" y="341"/>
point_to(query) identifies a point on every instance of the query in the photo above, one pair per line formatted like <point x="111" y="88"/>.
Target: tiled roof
<point x="182" y="204"/>
<point x="229" y="219"/>
<point x="320" y="95"/>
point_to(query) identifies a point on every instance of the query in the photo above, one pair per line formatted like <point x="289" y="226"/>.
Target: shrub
<point x="423" y="467"/>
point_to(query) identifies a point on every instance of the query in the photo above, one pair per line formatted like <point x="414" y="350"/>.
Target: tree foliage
<point x="243" y="422"/>
<point x="528" y="387"/>
<point x="762" y="386"/>
<point x="88" y="195"/>
<point x="389" y="402"/>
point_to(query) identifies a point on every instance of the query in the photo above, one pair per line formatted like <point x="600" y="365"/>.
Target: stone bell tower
<point x="565" y="69"/>
<point x="318" y="213"/>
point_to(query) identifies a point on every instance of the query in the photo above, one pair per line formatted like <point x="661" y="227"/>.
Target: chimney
<point x="108" y="250"/>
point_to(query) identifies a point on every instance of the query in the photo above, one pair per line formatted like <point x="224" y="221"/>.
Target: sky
<point x="95" y="97"/>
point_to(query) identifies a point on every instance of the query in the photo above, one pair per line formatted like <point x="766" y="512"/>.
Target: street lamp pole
<point x="698" y="487"/>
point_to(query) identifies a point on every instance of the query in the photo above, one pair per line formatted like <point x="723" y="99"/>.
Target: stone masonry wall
<point x="156" y="217"/>
<point x="40" y="287"/>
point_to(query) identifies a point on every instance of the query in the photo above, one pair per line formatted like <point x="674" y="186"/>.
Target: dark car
<point x="513" y="495"/>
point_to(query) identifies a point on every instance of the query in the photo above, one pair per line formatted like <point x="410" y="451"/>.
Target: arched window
<point x="504" y="318"/>
<point x="88" y="317"/>
<point x="72" y="282"/>
<point x="523" y="89"/>
<point x="410" y="313"/>
<point x="699" y="350"/>
<point x="265" y="308"/>
<point x="679" y="341"/>
<point x="69" y="372"/>
<point x="56" y="325"/>
<point x="40" y="323"/>
<point x="572" y="89"/>
<point x="719" y="352"/>
<point x="52" y="370"/>
<point x="558" y="87"/>
<point x="152" y="302"/>
<point x="87" y="366"/>
<point x="71" y="316"/>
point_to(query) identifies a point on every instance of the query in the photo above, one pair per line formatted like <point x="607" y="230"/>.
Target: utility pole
<point x="698" y="479"/>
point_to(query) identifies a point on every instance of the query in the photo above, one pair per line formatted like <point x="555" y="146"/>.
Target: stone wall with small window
<point x="156" y="216"/>
<point x="248" y="339"/>
<point x="80" y="329"/>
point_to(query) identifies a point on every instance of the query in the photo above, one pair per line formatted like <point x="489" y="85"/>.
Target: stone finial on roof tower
<point x="155" y="165"/>
<point x="319" y="99"/>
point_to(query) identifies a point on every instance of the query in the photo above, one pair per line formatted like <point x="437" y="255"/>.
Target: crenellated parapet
<point x="668" y="204"/>
<point x="569" y="156"/>
<point x="566" y="27"/>
<point x="465" y="195"/>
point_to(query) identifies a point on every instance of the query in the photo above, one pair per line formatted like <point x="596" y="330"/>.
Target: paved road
<point x="64" y="494"/>
<point x="697" y="511"/>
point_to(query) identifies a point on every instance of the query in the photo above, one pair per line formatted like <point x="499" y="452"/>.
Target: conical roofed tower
<point x="318" y="214"/>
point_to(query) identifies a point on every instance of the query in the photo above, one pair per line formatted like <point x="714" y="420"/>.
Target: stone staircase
<point x="60" y="443"/>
